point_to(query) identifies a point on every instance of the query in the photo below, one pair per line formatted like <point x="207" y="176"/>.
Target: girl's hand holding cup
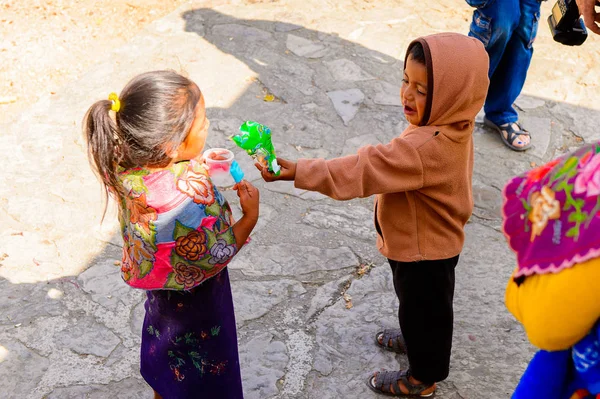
<point x="249" y="199"/>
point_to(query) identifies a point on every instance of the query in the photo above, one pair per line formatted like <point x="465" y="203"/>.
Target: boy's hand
<point x="249" y="198"/>
<point x="288" y="171"/>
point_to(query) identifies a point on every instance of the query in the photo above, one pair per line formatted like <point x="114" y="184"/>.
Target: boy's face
<point x="413" y="92"/>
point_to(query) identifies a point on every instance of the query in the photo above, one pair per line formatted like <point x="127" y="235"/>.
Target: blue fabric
<point x="546" y="376"/>
<point x="586" y="358"/>
<point x="507" y="29"/>
<point x="557" y="375"/>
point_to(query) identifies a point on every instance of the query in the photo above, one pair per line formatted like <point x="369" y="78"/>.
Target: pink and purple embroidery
<point x="551" y="217"/>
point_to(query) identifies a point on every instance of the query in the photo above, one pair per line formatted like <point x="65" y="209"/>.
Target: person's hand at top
<point x="591" y="17"/>
<point x="288" y="170"/>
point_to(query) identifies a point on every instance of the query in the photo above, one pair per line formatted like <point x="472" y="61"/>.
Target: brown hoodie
<point x="423" y="177"/>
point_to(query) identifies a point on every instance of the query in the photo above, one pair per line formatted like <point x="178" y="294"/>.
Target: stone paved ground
<point x="70" y="28"/>
<point x="70" y="328"/>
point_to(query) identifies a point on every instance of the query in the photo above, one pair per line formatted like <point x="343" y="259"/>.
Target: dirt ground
<point x="46" y="43"/>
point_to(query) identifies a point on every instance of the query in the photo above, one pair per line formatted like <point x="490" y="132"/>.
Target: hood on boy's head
<point x="457" y="78"/>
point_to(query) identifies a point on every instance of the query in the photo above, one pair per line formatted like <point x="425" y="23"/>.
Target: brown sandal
<point x="393" y="336"/>
<point x="511" y="134"/>
<point x="397" y="383"/>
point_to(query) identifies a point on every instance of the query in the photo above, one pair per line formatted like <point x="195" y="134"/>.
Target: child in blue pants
<point x="507" y="29"/>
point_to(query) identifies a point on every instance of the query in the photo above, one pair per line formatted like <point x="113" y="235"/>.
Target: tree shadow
<point x="301" y="111"/>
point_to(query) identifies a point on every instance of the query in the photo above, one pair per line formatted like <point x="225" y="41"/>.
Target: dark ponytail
<point x="102" y="143"/>
<point x="156" y="113"/>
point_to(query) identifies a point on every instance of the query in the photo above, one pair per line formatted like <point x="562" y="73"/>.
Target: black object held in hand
<point x="566" y="25"/>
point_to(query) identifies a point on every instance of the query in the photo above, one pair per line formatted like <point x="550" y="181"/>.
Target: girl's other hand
<point x="288" y="171"/>
<point x="249" y="198"/>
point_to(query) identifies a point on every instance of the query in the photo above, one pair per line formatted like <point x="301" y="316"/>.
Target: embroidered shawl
<point x="176" y="228"/>
<point x="551" y="217"/>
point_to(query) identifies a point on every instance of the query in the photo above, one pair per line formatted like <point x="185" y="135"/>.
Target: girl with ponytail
<point x="178" y="231"/>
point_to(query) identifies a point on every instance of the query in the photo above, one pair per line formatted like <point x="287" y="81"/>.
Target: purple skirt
<point x="189" y="342"/>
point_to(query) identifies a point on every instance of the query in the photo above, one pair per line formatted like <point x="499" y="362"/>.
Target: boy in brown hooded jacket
<point x="422" y="179"/>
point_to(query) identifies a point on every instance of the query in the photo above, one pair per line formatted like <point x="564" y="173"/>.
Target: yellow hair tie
<point x="116" y="103"/>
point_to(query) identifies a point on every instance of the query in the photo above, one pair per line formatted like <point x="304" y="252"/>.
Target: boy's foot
<point x="391" y="339"/>
<point x="400" y="384"/>
<point x="513" y="135"/>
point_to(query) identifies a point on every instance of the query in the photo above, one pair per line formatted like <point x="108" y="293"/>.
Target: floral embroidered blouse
<point x="176" y="228"/>
<point x="551" y="213"/>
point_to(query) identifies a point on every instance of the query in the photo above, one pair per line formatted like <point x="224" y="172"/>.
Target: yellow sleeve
<point x="557" y="310"/>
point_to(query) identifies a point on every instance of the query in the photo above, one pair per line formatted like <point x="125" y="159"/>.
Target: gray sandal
<point x="381" y="382"/>
<point x="511" y="133"/>
<point x="393" y="335"/>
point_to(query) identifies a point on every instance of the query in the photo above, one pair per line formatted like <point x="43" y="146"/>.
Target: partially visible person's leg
<point x="509" y="77"/>
<point x="508" y="80"/>
<point x="426" y="291"/>
<point x="494" y="22"/>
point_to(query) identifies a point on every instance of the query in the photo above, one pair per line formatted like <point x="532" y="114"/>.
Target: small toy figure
<point x="256" y="140"/>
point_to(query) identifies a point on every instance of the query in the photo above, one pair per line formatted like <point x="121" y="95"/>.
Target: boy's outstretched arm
<point x="394" y="167"/>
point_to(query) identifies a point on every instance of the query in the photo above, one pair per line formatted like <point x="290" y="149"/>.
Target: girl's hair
<point x="156" y="113"/>
<point x="417" y="53"/>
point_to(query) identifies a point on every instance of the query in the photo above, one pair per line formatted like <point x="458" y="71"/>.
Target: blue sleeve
<point x="546" y="376"/>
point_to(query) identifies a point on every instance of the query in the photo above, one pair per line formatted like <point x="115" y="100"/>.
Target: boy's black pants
<point x="426" y="290"/>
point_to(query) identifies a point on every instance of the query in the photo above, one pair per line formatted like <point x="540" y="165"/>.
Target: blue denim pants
<point x="507" y="29"/>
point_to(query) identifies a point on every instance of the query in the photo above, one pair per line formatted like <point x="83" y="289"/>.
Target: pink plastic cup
<point x="218" y="161"/>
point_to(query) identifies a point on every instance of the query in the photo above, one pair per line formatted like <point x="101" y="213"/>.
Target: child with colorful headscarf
<point x="552" y="222"/>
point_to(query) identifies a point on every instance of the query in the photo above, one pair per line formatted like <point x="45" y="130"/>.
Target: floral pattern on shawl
<point x="140" y="213"/>
<point x="544" y="207"/>
<point x="551" y="217"/>
<point x="588" y="180"/>
<point x="196" y="184"/>
<point x="178" y="251"/>
<point x="188" y="276"/>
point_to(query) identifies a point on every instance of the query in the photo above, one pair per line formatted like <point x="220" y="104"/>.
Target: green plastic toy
<point x="256" y="140"/>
